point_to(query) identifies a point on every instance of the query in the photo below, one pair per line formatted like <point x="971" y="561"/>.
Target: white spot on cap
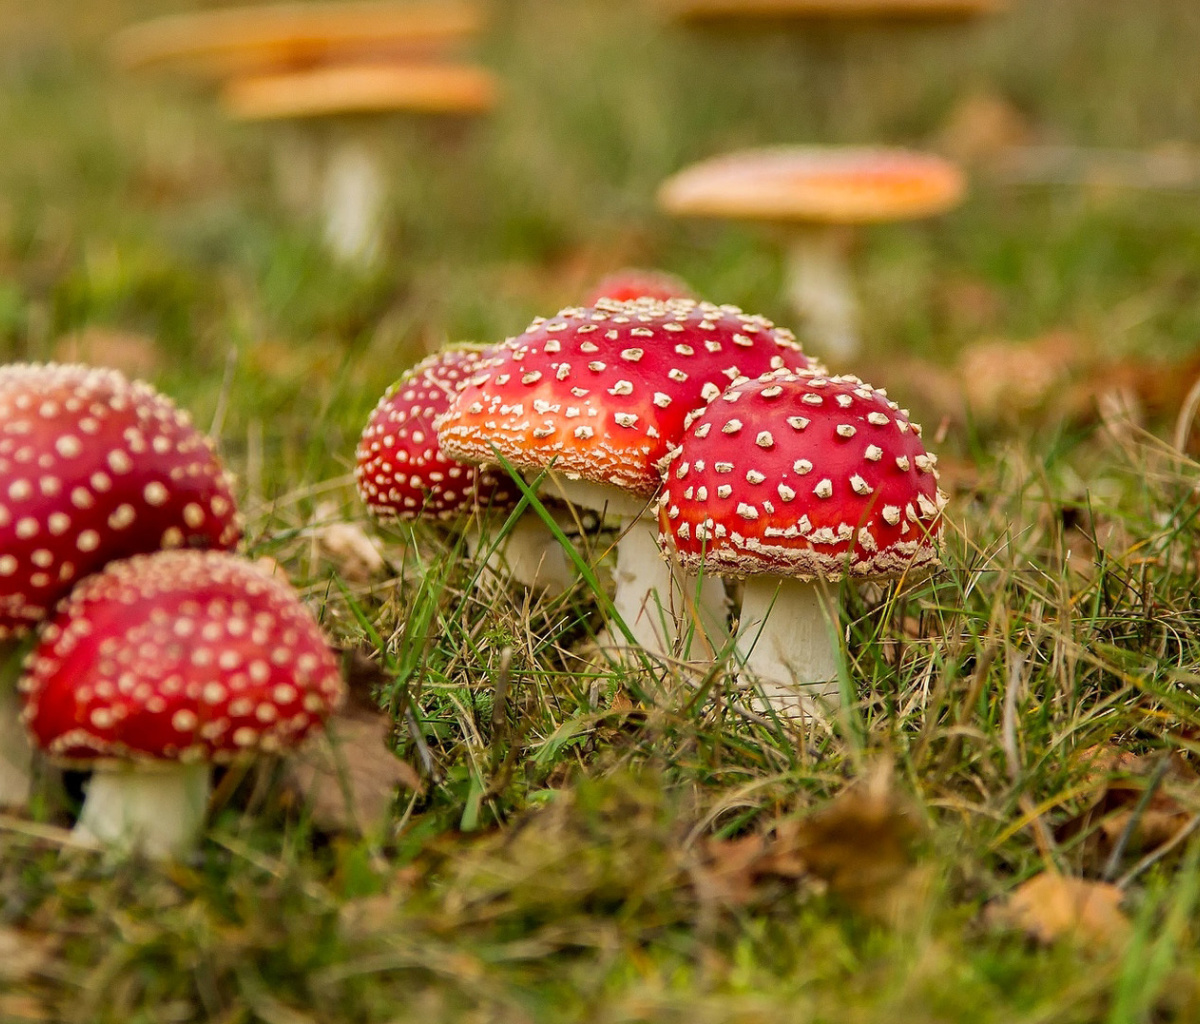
<point x="802" y="466"/>
<point x="765" y="440"/>
<point x="747" y="511"/>
<point x="824" y="488"/>
<point x="845" y="430"/>
<point x="873" y="453"/>
<point x="859" y="485"/>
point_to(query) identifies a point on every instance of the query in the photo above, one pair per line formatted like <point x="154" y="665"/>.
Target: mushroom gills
<point x="157" y="810"/>
<point x="788" y="643"/>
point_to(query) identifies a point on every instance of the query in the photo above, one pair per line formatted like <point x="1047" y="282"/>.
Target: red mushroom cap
<point x="95" y="468"/>
<point x="603" y="391"/>
<point x="401" y="471"/>
<point x="188" y="655"/>
<point x="803" y="475"/>
<point x="633" y="283"/>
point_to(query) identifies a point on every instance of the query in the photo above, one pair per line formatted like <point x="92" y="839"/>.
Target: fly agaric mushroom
<point x="632" y="283"/>
<point x="598" y="395"/>
<point x="817" y="194"/>
<point x="856" y="10"/>
<point x="402" y="473"/>
<point x="354" y="182"/>
<point x="161" y="665"/>
<point x="796" y="481"/>
<point x="93" y="468"/>
<point x="218" y="44"/>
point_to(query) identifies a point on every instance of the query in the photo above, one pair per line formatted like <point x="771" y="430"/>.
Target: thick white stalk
<point x="821" y="291"/>
<point x="529" y="554"/>
<point x="156" y="809"/>
<point x="353" y="200"/>
<point x="788" y="641"/>
<point x="16" y="755"/>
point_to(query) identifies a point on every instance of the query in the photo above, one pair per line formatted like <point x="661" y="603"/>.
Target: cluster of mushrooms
<point x="134" y="642"/>
<point x="714" y="445"/>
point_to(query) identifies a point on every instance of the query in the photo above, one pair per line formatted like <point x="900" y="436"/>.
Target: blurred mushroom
<point x="856" y="10"/>
<point x="353" y="189"/>
<point x="795" y="481"/>
<point x="817" y="194"/>
<point x="162" y="665"/>
<point x="634" y="283"/>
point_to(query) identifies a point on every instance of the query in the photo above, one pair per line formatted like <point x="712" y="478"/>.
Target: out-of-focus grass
<point x="553" y="869"/>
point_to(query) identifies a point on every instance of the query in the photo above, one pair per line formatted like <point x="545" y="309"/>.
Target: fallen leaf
<point x="1049" y="907"/>
<point x="1120" y="779"/>
<point x="135" y="355"/>
<point x="23" y="954"/>
<point x="349" y="777"/>
<point x="1004" y="380"/>
<point x="981" y="127"/>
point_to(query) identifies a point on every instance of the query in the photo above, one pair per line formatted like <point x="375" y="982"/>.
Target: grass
<point x="564" y="859"/>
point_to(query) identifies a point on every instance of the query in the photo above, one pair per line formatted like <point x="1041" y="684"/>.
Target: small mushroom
<point x="93" y="467"/>
<point x="794" y="482"/>
<point x="162" y="665"/>
<point x="403" y="474"/>
<point x="832" y="10"/>
<point x="634" y="283"/>
<point x="598" y="395"/>
<point x="817" y="194"/>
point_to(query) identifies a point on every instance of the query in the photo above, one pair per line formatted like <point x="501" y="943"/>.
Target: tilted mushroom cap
<point x="815" y="184"/>
<point x="362" y="88"/>
<point x="94" y="468"/>
<point x="632" y="283"/>
<point x="401" y="471"/>
<point x="803" y="475"/>
<point x="180" y="655"/>
<point x="603" y="391"/>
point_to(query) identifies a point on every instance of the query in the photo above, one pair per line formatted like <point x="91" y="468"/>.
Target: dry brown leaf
<point x="135" y="355"/>
<point x="1004" y="380"/>
<point x="23" y="954"/>
<point x="1120" y="779"/>
<point x="350" y="776"/>
<point x="981" y="127"/>
<point x="1049" y="907"/>
<point x="15" y="1006"/>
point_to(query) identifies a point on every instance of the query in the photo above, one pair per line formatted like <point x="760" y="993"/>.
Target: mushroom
<point x="596" y="396"/>
<point x="402" y="473"/>
<point x="796" y="481"/>
<point x="354" y="182"/>
<point x="817" y="194"/>
<point x="161" y="665"/>
<point x="857" y="10"/>
<point x="222" y="43"/>
<point x="93" y="468"/>
<point x="633" y="283"/>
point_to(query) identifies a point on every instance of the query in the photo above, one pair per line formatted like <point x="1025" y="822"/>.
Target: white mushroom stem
<point x="156" y="809"/>
<point x="16" y="755"/>
<point x="821" y="290"/>
<point x="788" y="641"/>
<point x="353" y="196"/>
<point x="529" y="554"/>
<point x="652" y="596"/>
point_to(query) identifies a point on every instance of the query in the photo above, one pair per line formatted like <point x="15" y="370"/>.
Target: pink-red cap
<point x="178" y="655"/>
<point x="93" y="468"/>
<point x="401" y="471"/>
<point x="803" y="475"/>
<point x="603" y="391"/>
<point x="635" y="283"/>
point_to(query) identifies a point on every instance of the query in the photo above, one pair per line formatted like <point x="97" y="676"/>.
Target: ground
<point x="1000" y="825"/>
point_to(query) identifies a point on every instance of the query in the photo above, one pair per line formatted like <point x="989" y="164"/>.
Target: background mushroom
<point x="797" y="481"/>
<point x="402" y="473"/>
<point x="816" y="194"/>
<point x="598" y="395"/>
<point x="93" y="467"/>
<point x="161" y="665"/>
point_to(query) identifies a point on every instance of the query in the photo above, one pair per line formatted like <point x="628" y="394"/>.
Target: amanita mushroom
<point x="634" y="283"/>
<point x="93" y="468"/>
<point x="598" y="395"/>
<point x="402" y="473"/>
<point x="817" y="193"/>
<point x="161" y="665"/>
<point x="354" y="182"/>
<point x="857" y="10"/>
<point x="797" y="481"/>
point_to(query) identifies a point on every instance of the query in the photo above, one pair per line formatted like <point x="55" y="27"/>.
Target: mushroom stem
<point x="16" y="755"/>
<point x="529" y="554"/>
<point x="353" y="198"/>
<point x="821" y="291"/>
<point x="787" y="639"/>
<point x="659" y="603"/>
<point x="158" y="811"/>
